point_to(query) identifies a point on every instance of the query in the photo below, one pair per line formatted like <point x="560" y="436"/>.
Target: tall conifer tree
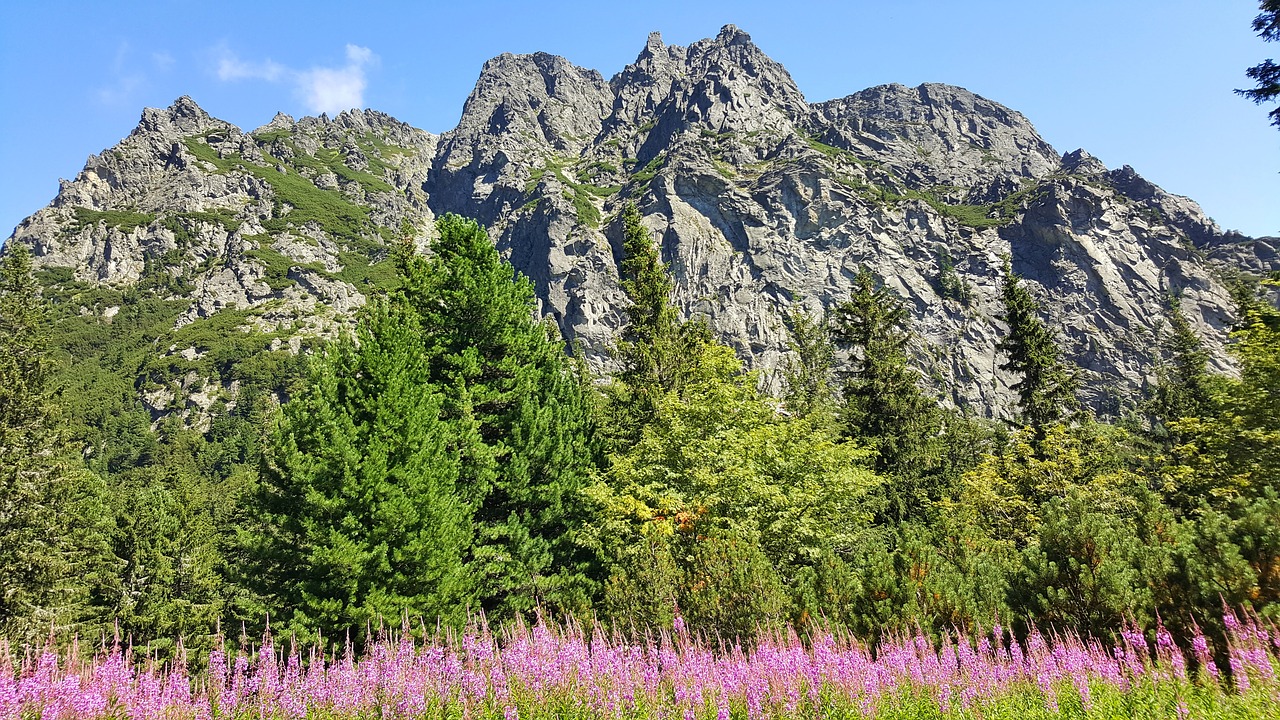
<point x="520" y="420"/>
<point x="360" y="516"/>
<point x="659" y="352"/>
<point x="883" y="400"/>
<point x="54" y="563"/>
<point x="808" y="372"/>
<point x="1047" y="385"/>
<point x="1183" y="384"/>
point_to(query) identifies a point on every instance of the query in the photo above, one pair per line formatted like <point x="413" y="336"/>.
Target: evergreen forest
<point x="447" y="457"/>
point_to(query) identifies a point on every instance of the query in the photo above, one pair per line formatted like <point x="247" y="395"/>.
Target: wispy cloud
<point x="321" y="89"/>
<point x="127" y="74"/>
<point x="231" y="67"/>
<point x="123" y="80"/>
<point x="162" y="60"/>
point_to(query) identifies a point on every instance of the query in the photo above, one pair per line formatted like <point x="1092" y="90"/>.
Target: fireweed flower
<point x="1200" y="645"/>
<point x="476" y="674"/>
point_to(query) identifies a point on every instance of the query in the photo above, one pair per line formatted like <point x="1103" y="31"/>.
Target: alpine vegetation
<point x="571" y="671"/>
<point x="673" y="395"/>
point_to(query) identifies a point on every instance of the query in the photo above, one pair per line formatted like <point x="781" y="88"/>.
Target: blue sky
<point x="1135" y="82"/>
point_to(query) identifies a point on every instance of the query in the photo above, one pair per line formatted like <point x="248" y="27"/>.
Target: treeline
<point x="449" y="458"/>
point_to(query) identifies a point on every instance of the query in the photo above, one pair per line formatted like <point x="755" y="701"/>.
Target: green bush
<point x="125" y="221"/>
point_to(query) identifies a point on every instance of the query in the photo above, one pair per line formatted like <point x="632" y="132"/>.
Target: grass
<point x="182" y="225"/>
<point x="358" y="270"/>
<point x="832" y="152"/>
<point x="994" y="214"/>
<point x="581" y="194"/>
<point x="588" y="213"/>
<point x="329" y="160"/>
<point x="271" y="136"/>
<point x="650" y="170"/>
<point x="725" y="169"/>
<point x="382" y="147"/>
<point x="976" y="216"/>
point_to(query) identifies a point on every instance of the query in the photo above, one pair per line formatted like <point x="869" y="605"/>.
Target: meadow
<point x="569" y="671"/>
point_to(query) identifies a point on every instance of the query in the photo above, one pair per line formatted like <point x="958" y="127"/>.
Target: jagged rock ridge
<point x="761" y="201"/>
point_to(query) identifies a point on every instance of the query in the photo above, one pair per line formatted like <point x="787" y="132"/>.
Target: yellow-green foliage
<point x="1005" y="492"/>
<point x="1237" y="450"/>
<point x="721" y="469"/>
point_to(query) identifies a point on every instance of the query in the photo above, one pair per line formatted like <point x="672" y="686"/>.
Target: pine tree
<point x="1046" y="390"/>
<point x="520" y="418"/>
<point x="166" y="536"/>
<point x="808" y="372"/>
<point x="359" y="513"/>
<point x="1266" y="73"/>
<point x="54" y="564"/>
<point x="658" y="351"/>
<point x="883" y="400"/>
<point x="1183" y="384"/>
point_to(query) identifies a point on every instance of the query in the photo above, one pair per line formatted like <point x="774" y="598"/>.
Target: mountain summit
<point x="762" y="203"/>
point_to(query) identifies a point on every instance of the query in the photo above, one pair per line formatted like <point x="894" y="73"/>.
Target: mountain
<point x="762" y="203"/>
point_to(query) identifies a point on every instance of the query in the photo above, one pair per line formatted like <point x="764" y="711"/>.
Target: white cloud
<point x="322" y="89"/>
<point x="330" y="90"/>
<point x="162" y="60"/>
<point x="231" y="67"/>
<point x="124" y="79"/>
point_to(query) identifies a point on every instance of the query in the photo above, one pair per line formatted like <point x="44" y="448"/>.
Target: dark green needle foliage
<point x="1047" y="385"/>
<point x="520" y="419"/>
<point x="54" y="568"/>
<point x="809" y="372"/>
<point x="658" y="351"/>
<point x="1183" y="384"/>
<point x="1266" y="73"/>
<point x="884" y="404"/>
<point x="360" y="519"/>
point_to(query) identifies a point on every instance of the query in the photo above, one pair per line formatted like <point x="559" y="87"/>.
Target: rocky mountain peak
<point x="538" y="98"/>
<point x="731" y="35"/>
<point x="1080" y="162"/>
<point x="183" y="117"/>
<point x="761" y="202"/>
<point x="934" y="135"/>
<point x="725" y="84"/>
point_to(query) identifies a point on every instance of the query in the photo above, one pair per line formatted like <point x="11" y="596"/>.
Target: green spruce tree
<point x="658" y="351"/>
<point x="359" y="513"/>
<point x="55" y="569"/>
<point x="1183" y="384"/>
<point x="884" y="404"/>
<point x="808" y="374"/>
<point x="1047" y="384"/>
<point x="520" y="418"/>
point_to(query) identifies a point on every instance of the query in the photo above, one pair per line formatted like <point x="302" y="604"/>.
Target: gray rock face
<point x="939" y="135"/>
<point x="196" y="198"/>
<point x="761" y="202"/>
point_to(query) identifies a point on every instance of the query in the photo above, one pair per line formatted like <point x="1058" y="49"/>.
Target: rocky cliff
<point x="761" y="202"/>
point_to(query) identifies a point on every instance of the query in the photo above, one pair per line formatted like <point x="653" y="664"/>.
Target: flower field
<point x="548" y="671"/>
